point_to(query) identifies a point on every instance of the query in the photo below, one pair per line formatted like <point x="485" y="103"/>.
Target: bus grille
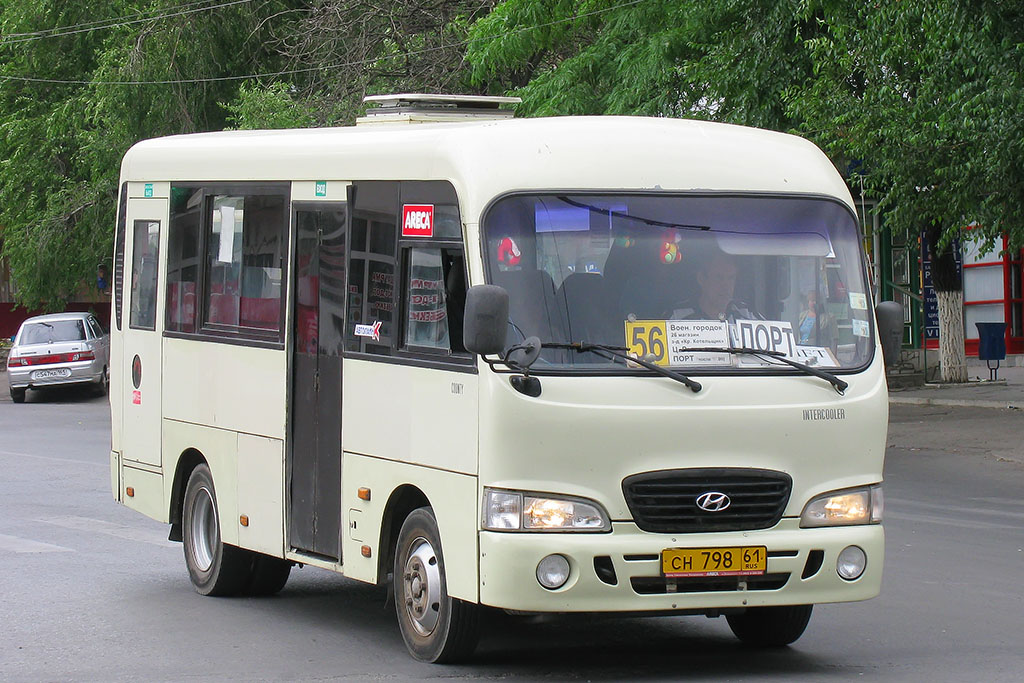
<point x="659" y="585"/>
<point x="666" y="501"/>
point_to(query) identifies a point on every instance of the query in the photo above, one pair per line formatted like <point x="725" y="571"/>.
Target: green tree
<point x="339" y="51"/>
<point x="271" y="107"/>
<point x="71" y="104"/>
<point x="925" y="95"/>
<point x="929" y="94"/>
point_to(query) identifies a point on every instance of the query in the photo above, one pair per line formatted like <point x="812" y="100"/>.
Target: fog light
<point x="851" y="563"/>
<point x="553" y="571"/>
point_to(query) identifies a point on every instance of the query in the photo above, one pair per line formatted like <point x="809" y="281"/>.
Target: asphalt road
<point x="94" y="592"/>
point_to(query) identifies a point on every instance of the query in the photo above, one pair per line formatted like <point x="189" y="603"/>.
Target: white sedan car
<point x="58" y="349"/>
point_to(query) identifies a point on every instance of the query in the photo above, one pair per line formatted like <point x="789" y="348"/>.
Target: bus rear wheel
<point x="269" y="575"/>
<point x="435" y="626"/>
<point x="214" y="567"/>
<point x="770" y="626"/>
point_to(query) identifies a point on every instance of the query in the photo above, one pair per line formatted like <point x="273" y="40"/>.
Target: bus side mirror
<point x="889" y="315"/>
<point x="486" y="323"/>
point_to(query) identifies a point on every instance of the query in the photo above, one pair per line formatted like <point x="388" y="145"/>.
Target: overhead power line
<point x="289" y="72"/>
<point x="181" y="10"/>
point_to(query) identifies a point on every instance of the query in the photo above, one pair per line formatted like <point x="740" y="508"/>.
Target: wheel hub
<point x="422" y="586"/>
<point x="204" y="529"/>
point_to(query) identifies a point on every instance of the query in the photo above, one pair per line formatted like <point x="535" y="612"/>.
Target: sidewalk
<point x="979" y="392"/>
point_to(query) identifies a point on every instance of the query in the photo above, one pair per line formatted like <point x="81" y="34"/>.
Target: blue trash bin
<point x="991" y="345"/>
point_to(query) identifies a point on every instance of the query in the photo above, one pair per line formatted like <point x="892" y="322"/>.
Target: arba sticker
<point x="369" y="331"/>
<point x="417" y="220"/>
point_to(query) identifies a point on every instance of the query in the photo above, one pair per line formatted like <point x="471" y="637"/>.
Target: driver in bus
<point x="716" y="278"/>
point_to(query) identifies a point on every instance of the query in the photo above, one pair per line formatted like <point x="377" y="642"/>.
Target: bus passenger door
<point x="140" y="363"/>
<point x="314" y="520"/>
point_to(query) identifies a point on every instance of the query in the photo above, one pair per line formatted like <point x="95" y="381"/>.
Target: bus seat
<point x="589" y="313"/>
<point x="260" y="312"/>
<point x="533" y="306"/>
<point x="223" y="309"/>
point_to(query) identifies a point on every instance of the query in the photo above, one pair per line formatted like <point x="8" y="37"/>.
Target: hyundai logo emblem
<point x="713" y="501"/>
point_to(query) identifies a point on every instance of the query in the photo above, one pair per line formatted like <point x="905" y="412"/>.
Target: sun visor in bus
<point x="797" y="243"/>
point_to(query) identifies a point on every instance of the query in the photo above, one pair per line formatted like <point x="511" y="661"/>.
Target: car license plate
<point x="49" y="374"/>
<point x="733" y="561"/>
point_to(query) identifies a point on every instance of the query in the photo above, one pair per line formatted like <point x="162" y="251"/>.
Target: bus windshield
<point x="671" y="277"/>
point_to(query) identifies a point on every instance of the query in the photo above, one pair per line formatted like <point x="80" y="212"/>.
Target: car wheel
<point x="770" y="626"/>
<point x="214" y="567"/>
<point x="103" y="387"/>
<point x="435" y="626"/>
<point x="18" y="395"/>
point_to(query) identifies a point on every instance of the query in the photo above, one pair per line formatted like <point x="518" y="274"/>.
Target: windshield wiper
<point x="618" y="352"/>
<point x="840" y="385"/>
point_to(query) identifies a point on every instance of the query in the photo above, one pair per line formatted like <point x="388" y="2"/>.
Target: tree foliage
<point x="342" y="50"/>
<point x="919" y="99"/>
<point x="71" y="105"/>
<point x="922" y="97"/>
<point x="930" y="96"/>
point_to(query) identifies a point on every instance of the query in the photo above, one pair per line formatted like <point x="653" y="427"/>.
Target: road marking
<point x="68" y="460"/>
<point x="24" y="545"/>
<point x="953" y="509"/>
<point x="946" y="521"/>
<point x="111" y="529"/>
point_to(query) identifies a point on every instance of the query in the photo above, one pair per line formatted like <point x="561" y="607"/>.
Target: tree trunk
<point x="951" y="336"/>
<point x="949" y="293"/>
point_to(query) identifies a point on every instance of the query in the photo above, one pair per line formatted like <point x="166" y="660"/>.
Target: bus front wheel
<point x="214" y="567"/>
<point x="770" y="626"/>
<point x="435" y="626"/>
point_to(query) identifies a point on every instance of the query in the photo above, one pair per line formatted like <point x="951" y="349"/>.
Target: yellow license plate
<point x="736" y="561"/>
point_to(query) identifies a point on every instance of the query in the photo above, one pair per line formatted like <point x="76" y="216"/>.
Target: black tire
<point x="18" y="395"/>
<point x="103" y="386"/>
<point x="214" y="567"/>
<point x="268" y="575"/>
<point x="436" y="627"/>
<point x="770" y="626"/>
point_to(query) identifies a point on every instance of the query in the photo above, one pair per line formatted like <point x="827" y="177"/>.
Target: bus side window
<point x="371" y="272"/>
<point x="435" y="299"/>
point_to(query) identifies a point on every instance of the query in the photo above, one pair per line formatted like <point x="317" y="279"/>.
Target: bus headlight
<point x="843" y="508"/>
<point x="520" y="511"/>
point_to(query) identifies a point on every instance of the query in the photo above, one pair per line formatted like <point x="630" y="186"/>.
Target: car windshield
<point x="665" y="276"/>
<point x="53" y="331"/>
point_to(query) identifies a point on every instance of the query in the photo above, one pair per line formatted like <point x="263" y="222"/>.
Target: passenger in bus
<point x="817" y="327"/>
<point x="716" y="280"/>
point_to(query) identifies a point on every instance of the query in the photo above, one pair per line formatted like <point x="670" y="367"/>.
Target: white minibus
<point x="554" y="365"/>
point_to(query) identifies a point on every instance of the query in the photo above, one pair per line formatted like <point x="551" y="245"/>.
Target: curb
<point x="960" y="402"/>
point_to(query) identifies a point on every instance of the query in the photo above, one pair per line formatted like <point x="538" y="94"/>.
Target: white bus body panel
<point x="141" y="406"/>
<point x="452" y="496"/>
<point x="411" y="414"/>
<point x="583" y="436"/>
<point x="261" y="490"/>
<point x="239" y="388"/>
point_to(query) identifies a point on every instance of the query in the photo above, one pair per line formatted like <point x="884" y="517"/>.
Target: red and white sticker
<point x="372" y="331"/>
<point x="137" y="397"/>
<point x="417" y="220"/>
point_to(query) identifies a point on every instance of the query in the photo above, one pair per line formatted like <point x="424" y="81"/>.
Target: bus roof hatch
<point x="431" y="108"/>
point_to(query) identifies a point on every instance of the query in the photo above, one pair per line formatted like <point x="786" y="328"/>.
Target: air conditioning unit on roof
<point x="430" y="108"/>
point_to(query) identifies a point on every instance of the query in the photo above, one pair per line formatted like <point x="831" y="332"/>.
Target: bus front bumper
<point x="508" y="564"/>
